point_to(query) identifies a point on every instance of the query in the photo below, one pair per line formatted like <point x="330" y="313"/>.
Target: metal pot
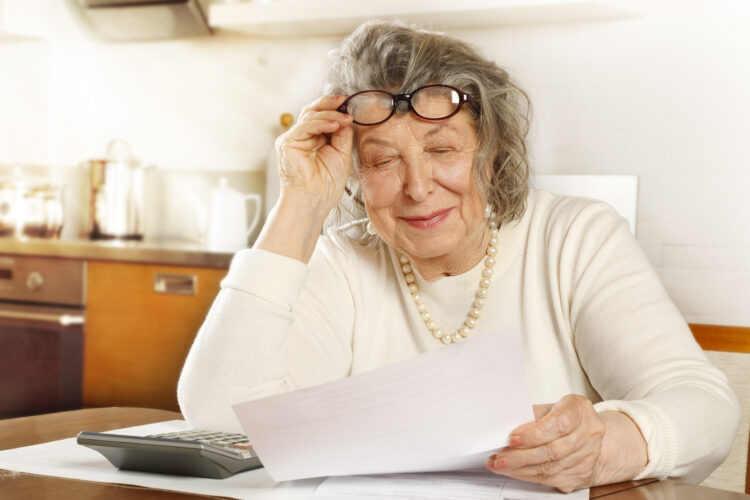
<point x="117" y="194"/>
<point x="30" y="207"/>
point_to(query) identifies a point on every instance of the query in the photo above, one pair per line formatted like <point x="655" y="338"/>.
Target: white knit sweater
<point x="594" y="319"/>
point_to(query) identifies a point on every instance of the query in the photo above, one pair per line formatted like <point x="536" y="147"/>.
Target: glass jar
<point x="30" y="207"/>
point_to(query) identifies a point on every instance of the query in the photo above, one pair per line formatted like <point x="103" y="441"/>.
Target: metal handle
<point x="178" y="284"/>
<point x="61" y="319"/>
<point x="256" y="214"/>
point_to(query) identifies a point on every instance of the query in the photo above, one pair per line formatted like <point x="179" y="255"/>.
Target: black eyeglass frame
<point x="395" y="98"/>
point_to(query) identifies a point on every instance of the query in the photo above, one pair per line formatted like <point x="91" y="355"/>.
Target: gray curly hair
<point x="400" y="58"/>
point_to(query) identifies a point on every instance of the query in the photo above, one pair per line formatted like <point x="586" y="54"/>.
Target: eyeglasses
<point x="431" y="102"/>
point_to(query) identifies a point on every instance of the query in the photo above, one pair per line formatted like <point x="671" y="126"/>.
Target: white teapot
<point x="226" y="227"/>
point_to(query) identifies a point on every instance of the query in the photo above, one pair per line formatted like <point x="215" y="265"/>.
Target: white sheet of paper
<point x="468" y="485"/>
<point x="447" y="409"/>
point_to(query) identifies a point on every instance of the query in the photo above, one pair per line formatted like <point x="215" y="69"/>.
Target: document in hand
<point x="447" y="409"/>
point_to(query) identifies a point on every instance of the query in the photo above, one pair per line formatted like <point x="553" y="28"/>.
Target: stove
<point x="42" y="317"/>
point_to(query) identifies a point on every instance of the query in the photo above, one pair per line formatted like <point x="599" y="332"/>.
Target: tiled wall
<point x="662" y="96"/>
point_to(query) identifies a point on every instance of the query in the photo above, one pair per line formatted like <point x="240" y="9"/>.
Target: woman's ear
<point x="488" y="171"/>
<point x="487" y="181"/>
<point x="486" y="187"/>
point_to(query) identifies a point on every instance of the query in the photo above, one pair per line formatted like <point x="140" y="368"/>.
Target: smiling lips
<point x="428" y="221"/>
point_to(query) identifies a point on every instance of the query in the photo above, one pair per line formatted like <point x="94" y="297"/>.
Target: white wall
<point x="663" y="96"/>
<point x="666" y="97"/>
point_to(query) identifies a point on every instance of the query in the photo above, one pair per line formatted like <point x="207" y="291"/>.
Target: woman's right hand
<point x="315" y="155"/>
<point x="315" y="158"/>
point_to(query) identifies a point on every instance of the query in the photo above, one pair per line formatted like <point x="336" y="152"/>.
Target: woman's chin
<point x="427" y="250"/>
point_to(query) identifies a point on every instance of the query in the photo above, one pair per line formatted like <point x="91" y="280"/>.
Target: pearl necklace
<point x="479" y="298"/>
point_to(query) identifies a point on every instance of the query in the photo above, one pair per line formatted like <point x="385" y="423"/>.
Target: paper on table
<point x="469" y="485"/>
<point x="443" y="410"/>
<point x="67" y="459"/>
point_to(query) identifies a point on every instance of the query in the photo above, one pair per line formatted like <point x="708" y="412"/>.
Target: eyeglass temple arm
<point x="471" y="101"/>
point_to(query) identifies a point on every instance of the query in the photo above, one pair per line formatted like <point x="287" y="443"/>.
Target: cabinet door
<point x="136" y="337"/>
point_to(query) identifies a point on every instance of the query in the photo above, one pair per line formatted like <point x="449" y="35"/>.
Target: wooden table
<point x="26" y="431"/>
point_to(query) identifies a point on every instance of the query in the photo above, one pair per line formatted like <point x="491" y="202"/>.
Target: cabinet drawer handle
<point x="176" y="284"/>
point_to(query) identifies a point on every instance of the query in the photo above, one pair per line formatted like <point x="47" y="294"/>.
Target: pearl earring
<point x="371" y="229"/>
<point x="487" y="211"/>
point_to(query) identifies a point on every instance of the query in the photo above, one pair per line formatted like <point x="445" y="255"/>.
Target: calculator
<point x="215" y="455"/>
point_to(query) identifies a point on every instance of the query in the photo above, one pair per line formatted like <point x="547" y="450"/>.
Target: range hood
<point x="141" y="20"/>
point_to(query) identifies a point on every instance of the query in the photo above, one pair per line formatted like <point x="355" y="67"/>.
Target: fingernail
<point x="495" y="462"/>
<point x="515" y="440"/>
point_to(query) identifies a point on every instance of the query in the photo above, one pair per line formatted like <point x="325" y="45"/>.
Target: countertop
<point x="175" y="253"/>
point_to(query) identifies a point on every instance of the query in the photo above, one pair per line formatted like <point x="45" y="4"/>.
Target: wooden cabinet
<point x="136" y="337"/>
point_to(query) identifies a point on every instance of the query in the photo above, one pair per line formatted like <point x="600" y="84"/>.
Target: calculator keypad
<point x="236" y="443"/>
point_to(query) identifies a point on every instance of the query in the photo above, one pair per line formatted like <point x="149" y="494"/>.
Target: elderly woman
<point x="414" y="167"/>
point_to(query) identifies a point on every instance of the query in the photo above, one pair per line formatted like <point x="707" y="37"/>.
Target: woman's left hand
<point x="571" y="446"/>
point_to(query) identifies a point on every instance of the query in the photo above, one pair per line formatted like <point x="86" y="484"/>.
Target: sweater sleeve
<point x="638" y="351"/>
<point x="276" y="325"/>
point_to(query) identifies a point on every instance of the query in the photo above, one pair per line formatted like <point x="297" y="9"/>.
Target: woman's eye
<point x="382" y="162"/>
<point x="440" y="151"/>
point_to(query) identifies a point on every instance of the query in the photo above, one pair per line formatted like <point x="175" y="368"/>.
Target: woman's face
<point x="418" y="184"/>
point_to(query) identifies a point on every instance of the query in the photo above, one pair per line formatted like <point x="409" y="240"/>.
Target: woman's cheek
<point x="380" y="187"/>
<point x="457" y="175"/>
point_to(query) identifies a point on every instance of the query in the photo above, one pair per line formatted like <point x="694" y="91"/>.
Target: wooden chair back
<point x="727" y="339"/>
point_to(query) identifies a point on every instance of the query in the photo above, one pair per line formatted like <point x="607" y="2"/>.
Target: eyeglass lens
<point x="433" y="103"/>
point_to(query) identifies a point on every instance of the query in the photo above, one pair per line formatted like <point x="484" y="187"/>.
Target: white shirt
<point x="593" y="316"/>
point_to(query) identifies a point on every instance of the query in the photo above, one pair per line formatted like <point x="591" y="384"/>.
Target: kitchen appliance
<point x="137" y="20"/>
<point x="117" y="204"/>
<point x="41" y="334"/>
<point x="30" y="207"/>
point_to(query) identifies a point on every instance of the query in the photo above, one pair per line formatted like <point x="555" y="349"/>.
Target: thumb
<point x="341" y="139"/>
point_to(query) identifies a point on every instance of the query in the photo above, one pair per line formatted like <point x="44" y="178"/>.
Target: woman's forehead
<point x="403" y="131"/>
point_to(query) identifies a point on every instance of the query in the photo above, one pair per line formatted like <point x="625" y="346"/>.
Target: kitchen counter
<point x="177" y="253"/>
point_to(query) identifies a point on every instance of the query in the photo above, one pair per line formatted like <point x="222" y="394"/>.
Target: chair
<point x="726" y="346"/>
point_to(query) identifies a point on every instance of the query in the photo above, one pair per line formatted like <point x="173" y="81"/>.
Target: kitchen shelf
<point x="293" y="18"/>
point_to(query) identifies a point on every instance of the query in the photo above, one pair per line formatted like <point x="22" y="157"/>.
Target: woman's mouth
<point x="427" y="221"/>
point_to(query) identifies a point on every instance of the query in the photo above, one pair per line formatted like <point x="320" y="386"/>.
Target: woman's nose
<point x="418" y="180"/>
